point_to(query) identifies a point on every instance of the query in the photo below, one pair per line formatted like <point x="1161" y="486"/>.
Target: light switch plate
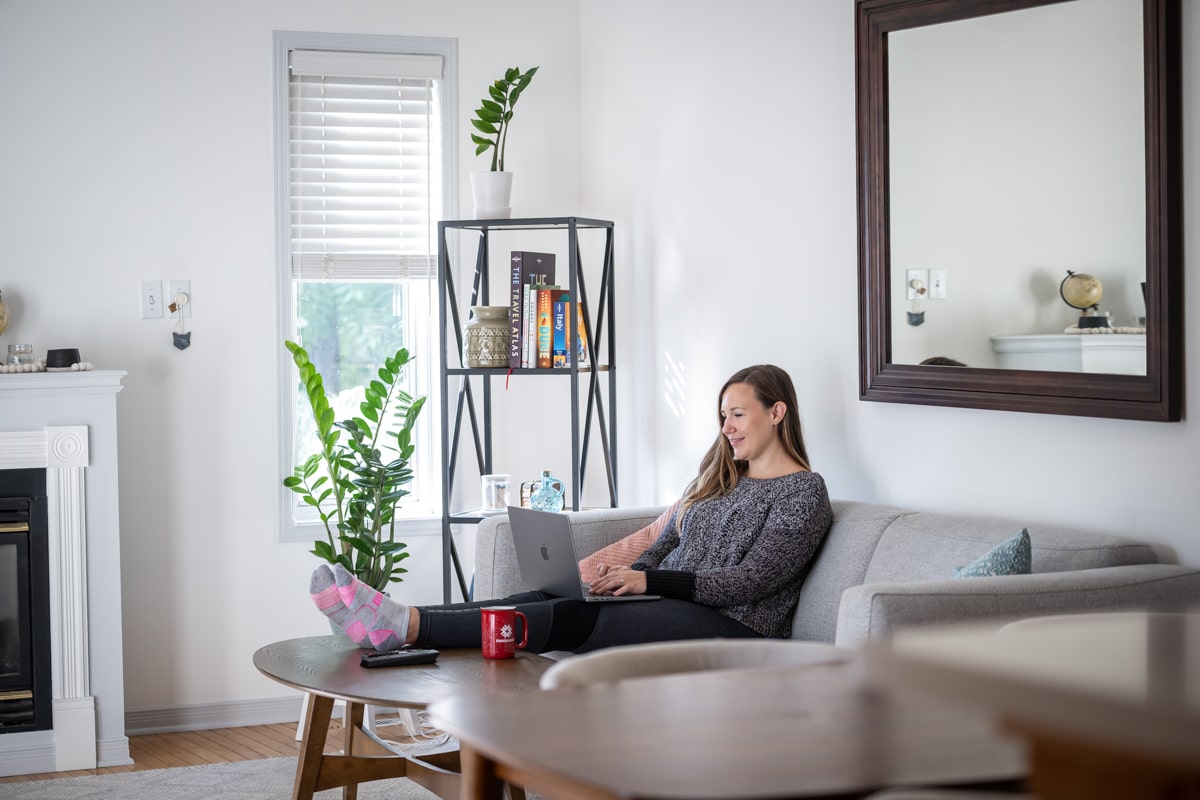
<point x="937" y="284"/>
<point x="177" y="287"/>
<point x="911" y="291"/>
<point x="150" y="297"/>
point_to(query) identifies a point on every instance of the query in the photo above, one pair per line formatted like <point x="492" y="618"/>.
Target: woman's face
<point x="748" y="425"/>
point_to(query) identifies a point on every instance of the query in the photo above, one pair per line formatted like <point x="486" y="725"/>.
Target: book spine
<point x="526" y="268"/>
<point x="515" y="309"/>
<point x="545" y="267"/>
<point x="560" y="349"/>
<point x="581" y="341"/>
<point x="544" y="328"/>
<point x="529" y="353"/>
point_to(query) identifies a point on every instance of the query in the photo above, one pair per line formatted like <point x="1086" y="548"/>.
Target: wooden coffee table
<point x="811" y="731"/>
<point x="1109" y="703"/>
<point x="327" y="668"/>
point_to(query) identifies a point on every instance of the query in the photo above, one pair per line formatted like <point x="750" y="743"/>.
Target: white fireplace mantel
<point x="66" y="423"/>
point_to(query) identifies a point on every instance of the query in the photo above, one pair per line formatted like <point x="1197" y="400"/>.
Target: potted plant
<point x="493" y="189"/>
<point x="352" y="484"/>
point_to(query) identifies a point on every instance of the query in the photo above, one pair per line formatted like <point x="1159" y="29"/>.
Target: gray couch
<point x="882" y="568"/>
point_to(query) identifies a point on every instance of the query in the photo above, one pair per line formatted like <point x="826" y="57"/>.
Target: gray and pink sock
<point x="324" y="591"/>
<point x="370" y="618"/>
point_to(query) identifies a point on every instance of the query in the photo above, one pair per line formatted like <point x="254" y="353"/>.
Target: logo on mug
<point x="545" y="553"/>
<point x="506" y="633"/>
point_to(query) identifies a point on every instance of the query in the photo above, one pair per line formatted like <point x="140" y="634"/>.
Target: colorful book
<point x="581" y="342"/>
<point x="531" y="322"/>
<point x="560" y="344"/>
<point x="545" y="326"/>
<point x="526" y="267"/>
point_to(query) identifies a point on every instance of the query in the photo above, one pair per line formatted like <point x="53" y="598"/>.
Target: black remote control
<point x="396" y="658"/>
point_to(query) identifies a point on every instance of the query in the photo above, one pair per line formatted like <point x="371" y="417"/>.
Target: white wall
<point x="730" y="174"/>
<point x="137" y="144"/>
<point x="721" y="141"/>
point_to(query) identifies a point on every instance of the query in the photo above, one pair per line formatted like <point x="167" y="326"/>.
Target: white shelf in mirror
<point x="1112" y="354"/>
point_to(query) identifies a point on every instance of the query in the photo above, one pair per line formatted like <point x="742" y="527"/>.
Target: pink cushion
<point x="624" y="551"/>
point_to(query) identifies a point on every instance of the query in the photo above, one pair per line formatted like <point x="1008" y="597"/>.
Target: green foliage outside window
<point x="348" y="328"/>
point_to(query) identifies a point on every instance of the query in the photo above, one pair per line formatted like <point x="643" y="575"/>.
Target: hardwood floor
<point x="193" y="748"/>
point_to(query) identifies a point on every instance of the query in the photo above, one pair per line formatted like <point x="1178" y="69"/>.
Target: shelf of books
<point x="555" y="276"/>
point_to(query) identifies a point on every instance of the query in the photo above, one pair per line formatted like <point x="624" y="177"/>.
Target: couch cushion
<point x="930" y="546"/>
<point x="840" y="563"/>
<point x="627" y="550"/>
<point x="1010" y="557"/>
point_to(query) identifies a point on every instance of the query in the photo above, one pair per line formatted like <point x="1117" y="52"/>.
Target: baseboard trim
<point x="206" y="716"/>
<point x="113" y="752"/>
<point x="26" y="753"/>
<point x="38" y="752"/>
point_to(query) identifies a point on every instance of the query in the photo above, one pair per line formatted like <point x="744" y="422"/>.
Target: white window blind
<point x="365" y="164"/>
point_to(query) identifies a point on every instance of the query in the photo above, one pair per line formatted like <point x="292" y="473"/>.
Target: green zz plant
<point x="494" y="115"/>
<point x="354" y="490"/>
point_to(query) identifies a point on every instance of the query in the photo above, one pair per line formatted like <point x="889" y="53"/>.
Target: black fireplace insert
<point x="25" y="701"/>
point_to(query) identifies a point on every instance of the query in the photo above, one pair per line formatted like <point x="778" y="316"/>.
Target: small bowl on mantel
<point x="61" y="359"/>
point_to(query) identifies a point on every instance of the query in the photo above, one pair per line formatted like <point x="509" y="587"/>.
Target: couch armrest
<point x="874" y="610"/>
<point x="496" y="571"/>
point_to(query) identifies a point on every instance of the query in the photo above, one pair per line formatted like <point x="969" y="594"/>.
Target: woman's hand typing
<point x="619" y="580"/>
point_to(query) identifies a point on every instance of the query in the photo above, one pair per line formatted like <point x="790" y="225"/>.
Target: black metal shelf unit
<point x="599" y="333"/>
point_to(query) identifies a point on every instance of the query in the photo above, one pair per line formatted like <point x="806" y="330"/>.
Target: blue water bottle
<point x="549" y="494"/>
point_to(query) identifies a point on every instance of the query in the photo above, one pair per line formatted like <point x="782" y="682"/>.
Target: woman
<point x="730" y="562"/>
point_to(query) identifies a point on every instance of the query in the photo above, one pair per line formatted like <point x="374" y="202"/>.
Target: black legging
<point x="562" y="623"/>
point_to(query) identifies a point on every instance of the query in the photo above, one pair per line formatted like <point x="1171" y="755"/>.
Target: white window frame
<point x="298" y="523"/>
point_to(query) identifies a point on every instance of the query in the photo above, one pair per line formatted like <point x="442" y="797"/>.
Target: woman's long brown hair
<point x="719" y="470"/>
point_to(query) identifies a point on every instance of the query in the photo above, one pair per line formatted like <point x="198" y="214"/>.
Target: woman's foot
<point x="325" y="595"/>
<point x="369" y="618"/>
<point x="324" y="592"/>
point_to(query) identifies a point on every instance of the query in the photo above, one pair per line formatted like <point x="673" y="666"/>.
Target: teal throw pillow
<point x="1013" y="556"/>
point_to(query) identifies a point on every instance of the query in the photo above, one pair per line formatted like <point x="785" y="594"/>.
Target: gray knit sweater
<point x="745" y="554"/>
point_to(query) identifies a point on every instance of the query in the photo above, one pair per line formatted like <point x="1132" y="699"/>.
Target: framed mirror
<point x="1005" y="146"/>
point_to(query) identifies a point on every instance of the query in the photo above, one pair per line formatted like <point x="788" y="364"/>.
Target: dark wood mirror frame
<point x="1157" y="395"/>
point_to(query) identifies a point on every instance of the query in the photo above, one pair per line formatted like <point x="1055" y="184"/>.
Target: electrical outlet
<point x="175" y="288"/>
<point x="916" y="284"/>
<point x="151" y="298"/>
<point x="937" y="284"/>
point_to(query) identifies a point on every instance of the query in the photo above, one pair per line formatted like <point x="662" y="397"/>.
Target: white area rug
<point x="264" y="779"/>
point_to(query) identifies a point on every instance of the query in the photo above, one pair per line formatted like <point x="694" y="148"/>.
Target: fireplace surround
<point x="64" y="426"/>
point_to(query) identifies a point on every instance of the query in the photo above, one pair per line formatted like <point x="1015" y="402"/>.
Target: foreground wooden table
<point x="1109" y="703"/>
<point x="327" y="668"/>
<point x="778" y="732"/>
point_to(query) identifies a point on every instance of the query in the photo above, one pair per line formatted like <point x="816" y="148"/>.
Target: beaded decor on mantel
<point x="40" y="366"/>
<point x="1117" y="329"/>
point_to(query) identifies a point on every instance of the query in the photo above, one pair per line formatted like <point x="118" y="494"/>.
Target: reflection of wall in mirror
<point x="1016" y="153"/>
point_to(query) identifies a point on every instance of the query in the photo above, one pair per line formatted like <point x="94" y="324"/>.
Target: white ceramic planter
<point x="493" y="194"/>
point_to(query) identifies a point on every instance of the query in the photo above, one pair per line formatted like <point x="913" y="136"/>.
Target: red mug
<point x="499" y="628"/>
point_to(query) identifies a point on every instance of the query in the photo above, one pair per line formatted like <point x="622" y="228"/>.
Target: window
<point x="363" y="159"/>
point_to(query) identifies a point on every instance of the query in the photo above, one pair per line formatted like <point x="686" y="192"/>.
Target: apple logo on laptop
<point x="545" y="553"/>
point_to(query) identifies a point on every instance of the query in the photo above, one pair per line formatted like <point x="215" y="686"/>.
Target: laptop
<point x="546" y="556"/>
